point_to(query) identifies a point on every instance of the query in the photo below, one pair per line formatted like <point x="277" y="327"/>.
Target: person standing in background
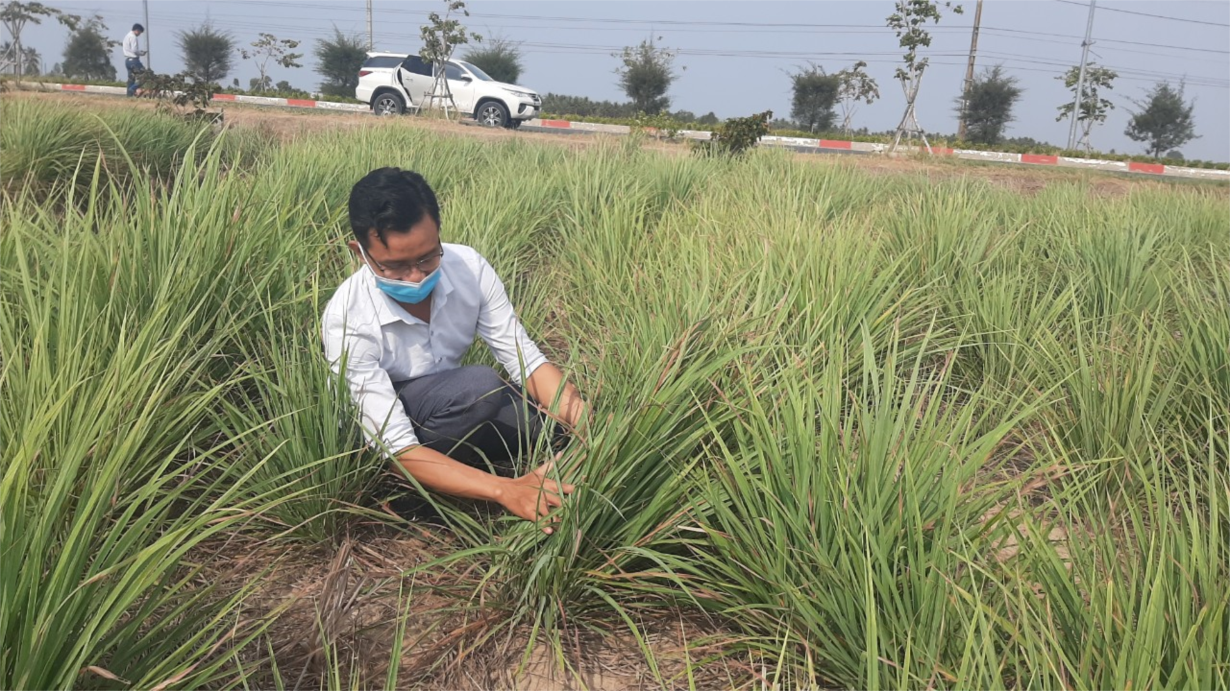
<point x="132" y="57"/>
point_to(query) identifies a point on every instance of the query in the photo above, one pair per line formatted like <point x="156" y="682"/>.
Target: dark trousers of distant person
<point x="134" y="67"/>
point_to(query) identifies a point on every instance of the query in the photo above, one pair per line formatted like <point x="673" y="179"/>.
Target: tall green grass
<point x="884" y="431"/>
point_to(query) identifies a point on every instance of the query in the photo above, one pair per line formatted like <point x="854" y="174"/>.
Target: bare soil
<point x="288" y="124"/>
<point x="347" y="602"/>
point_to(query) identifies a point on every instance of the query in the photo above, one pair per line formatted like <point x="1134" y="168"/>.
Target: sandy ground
<point x="347" y="602"/>
<point x="287" y="124"/>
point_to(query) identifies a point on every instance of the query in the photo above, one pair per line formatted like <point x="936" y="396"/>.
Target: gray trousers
<point x="471" y="415"/>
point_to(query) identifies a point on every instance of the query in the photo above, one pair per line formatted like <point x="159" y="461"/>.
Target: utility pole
<point x="1080" y="79"/>
<point x="969" y="70"/>
<point x="371" y="39"/>
<point x="149" y="62"/>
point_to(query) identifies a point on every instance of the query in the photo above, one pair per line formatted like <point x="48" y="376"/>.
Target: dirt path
<point x="286" y="124"/>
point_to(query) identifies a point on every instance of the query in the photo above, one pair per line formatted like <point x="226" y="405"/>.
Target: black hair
<point x="390" y="199"/>
<point x="138" y="27"/>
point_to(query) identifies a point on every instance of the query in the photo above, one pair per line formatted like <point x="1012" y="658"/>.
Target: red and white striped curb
<point x="820" y="144"/>
<point x="969" y="154"/>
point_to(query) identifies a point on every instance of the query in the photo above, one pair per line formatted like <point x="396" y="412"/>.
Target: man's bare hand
<point x="534" y="495"/>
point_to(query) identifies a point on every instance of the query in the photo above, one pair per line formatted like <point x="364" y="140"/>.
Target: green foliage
<point x="29" y="62"/>
<point x="88" y="52"/>
<point x="855" y="86"/>
<point x="970" y="438"/>
<point x="266" y="48"/>
<point x="815" y="97"/>
<point x="785" y="128"/>
<point x="560" y="106"/>
<point x="112" y="479"/>
<point x="661" y="125"/>
<point x="179" y="92"/>
<point x="338" y="60"/>
<point x="42" y="144"/>
<point x="15" y="15"/>
<point x="585" y="107"/>
<point x="909" y="23"/>
<point x="1093" y="107"/>
<point x="206" y="52"/>
<point x="1164" y="120"/>
<point x="498" y="57"/>
<point x="736" y="136"/>
<point x="442" y="35"/>
<point x="987" y="105"/>
<point x="645" y="74"/>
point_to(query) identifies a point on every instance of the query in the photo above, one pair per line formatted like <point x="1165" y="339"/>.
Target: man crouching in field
<point x="399" y="327"/>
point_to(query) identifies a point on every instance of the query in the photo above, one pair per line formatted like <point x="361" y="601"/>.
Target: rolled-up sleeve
<point x="382" y="415"/>
<point x="502" y="331"/>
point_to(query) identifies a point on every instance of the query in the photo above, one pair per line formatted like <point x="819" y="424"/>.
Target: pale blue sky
<point x="736" y="54"/>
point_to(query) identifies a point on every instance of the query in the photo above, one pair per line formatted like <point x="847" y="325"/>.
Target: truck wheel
<point x="388" y="103"/>
<point x="492" y="114"/>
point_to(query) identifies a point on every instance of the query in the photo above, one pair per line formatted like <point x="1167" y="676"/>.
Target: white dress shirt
<point x="383" y="343"/>
<point x="132" y="49"/>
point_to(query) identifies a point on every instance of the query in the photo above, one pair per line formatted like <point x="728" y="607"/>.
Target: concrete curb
<point x="792" y="142"/>
<point x="967" y="154"/>
<point x="218" y="98"/>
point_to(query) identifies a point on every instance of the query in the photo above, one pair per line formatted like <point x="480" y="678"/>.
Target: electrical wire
<point x="1146" y="14"/>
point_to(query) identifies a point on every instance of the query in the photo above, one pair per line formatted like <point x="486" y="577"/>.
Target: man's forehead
<point x="410" y="245"/>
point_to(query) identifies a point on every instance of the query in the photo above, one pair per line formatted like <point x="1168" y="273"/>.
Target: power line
<point x="243" y="21"/>
<point x="1146" y="14"/>
<point x="743" y="27"/>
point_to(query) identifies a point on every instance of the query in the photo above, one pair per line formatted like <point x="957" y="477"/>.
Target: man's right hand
<point x="533" y="495"/>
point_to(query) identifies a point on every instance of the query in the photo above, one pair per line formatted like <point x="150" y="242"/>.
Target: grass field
<point x="853" y="429"/>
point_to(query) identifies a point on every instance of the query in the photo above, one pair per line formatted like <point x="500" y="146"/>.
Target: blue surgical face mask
<point x="405" y="291"/>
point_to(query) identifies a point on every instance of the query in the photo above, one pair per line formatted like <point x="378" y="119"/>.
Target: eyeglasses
<point x="425" y="265"/>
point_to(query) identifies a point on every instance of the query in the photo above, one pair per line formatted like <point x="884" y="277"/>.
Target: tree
<point x="1164" y="121"/>
<point x="441" y="36"/>
<point x="855" y="85"/>
<point x="14" y="16"/>
<point x="258" y="84"/>
<point x="1094" y="108"/>
<point x="206" y="53"/>
<point x="988" y="105"/>
<point x="499" y="58"/>
<point x="88" y="52"/>
<point x="269" y="47"/>
<point x="338" y="60"/>
<point x="30" y="63"/>
<point x="562" y="104"/>
<point x="646" y="75"/>
<point x="815" y="96"/>
<point x="909" y="24"/>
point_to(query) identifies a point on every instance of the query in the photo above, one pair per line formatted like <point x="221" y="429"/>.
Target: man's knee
<point x="478" y="388"/>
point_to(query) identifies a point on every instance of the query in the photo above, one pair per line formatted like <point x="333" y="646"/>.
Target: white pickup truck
<point x="393" y="82"/>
